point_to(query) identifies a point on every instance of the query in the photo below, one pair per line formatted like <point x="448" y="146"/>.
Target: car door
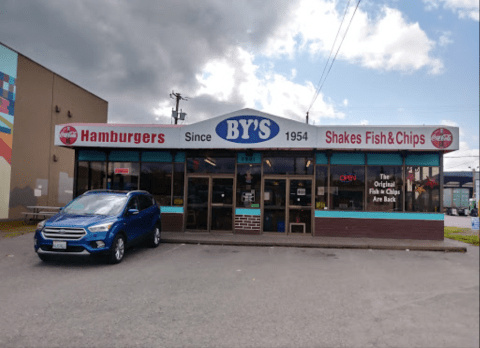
<point x="147" y="213"/>
<point x="133" y="222"/>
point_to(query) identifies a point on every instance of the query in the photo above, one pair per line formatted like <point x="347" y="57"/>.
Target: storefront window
<point x="97" y="175"/>
<point x="123" y="175"/>
<point x="321" y="187"/>
<point x="221" y="165"/>
<point x="82" y="177"/>
<point x="178" y="184"/>
<point x="422" y="189"/>
<point x="347" y="187"/>
<point x="248" y="185"/>
<point x="156" y="178"/>
<point x="288" y="165"/>
<point x="384" y="188"/>
<point x="90" y="176"/>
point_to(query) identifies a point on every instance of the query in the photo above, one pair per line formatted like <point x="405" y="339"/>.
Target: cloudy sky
<point x="401" y="62"/>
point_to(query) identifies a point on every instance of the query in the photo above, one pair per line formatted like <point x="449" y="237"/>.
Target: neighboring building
<point x="460" y="180"/>
<point x="33" y="100"/>
<point x="249" y="172"/>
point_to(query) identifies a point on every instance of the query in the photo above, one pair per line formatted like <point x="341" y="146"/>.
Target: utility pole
<point x="307" y="117"/>
<point x="175" y="113"/>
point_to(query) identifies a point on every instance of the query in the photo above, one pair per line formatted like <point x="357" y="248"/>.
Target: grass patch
<point x="455" y="229"/>
<point x="462" y="234"/>
<point x="15" y="228"/>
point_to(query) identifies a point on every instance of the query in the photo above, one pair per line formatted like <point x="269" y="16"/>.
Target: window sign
<point x="384" y="189"/>
<point x="122" y="170"/>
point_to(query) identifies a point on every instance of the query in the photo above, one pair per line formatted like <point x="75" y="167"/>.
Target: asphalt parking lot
<point x="219" y="296"/>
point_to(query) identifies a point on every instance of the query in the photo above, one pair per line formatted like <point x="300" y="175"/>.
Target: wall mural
<point x="8" y="76"/>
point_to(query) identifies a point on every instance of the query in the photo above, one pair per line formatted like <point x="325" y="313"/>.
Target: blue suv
<point x="100" y="222"/>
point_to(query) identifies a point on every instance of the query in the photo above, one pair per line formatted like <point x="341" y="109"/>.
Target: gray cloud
<point x="134" y="53"/>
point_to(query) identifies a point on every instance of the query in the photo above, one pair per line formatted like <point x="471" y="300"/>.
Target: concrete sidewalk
<point x="265" y="240"/>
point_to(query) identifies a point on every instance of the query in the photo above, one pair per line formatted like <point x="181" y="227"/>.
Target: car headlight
<point x="41" y="224"/>
<point x="105" y="227"/>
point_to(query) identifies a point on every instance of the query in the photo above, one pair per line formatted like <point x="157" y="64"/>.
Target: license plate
<point x="59" y="244"/>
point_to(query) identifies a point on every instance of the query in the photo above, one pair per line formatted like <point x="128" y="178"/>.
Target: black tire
<point x="45" y="258"/>
<point x="155" y="236"/>
<point x="117" y="251"/>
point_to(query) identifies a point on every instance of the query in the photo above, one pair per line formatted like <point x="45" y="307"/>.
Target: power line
<point x="328" y="60"/>
<point x="334" y="58"/>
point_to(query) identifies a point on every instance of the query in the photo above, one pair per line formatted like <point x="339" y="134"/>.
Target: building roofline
<point x="53" y="72"/>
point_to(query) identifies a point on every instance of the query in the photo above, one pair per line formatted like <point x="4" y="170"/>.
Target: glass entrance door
<point x="274" y="212"/>
<point x="197" y="204"/>
<point x="300" y="206"/>
<point x="287" y="205"/>
<point x="209" y="204"/>
<point x="222" y="204"/>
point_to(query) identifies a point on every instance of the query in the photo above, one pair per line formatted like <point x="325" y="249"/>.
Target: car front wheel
<point x="117" y="251"/>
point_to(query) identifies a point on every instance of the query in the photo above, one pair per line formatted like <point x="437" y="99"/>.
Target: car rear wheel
<point x="155" y="237"/>
<point x="117" y="251"/>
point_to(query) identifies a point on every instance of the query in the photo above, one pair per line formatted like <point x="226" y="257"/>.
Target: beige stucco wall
<point x="39" y="91"/>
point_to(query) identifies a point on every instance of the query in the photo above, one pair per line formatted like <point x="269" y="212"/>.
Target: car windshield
<point x="96" y="205"/>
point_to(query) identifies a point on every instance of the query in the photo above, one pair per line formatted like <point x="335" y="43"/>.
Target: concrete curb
<point x="316" y="245"/>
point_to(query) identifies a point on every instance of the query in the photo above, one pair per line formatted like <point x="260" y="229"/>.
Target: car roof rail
<point x="105" y="190"/>
<point x="138" y="191"/>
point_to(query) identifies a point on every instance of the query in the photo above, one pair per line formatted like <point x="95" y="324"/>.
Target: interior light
<point x="210" y="162"/>
<point x="268" y="162"/>
<point x="308" y="163"/>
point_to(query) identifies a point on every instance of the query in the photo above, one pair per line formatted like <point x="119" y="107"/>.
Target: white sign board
<point x="249" y="128"/>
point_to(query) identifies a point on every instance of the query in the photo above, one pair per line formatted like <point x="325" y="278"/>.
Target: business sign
<point x="247" y="129"/>
<point x="442" y="138"/>
<point x="68" y="135"/>
<point x="253" y="129"/>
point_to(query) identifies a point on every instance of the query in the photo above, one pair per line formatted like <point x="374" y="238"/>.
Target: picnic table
<point x="37" y="211"/>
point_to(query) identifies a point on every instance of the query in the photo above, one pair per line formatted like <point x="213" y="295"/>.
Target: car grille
<point x="63" y="233"/>
<point x="70" y="249"/>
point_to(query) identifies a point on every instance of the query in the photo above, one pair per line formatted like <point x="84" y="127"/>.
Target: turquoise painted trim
<point x="377" y="215"/>
<point x="91" y="155"/>
<point x="156" y="156"/>
<point x="178" y="210"/>
<point x="240" y="211"/>
<point x="124" y="156"/>
<point x="426" y="159"/>
<point x="348" y="158"/>
<point x="242" y="158"/>
<point x="321" y="158"/>
<point x="384" y="159"/>
<point x="179" y="157"/>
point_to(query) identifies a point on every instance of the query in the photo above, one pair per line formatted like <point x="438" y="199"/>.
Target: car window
<point x="145" y="202"/>
<point x="133" y="204"/>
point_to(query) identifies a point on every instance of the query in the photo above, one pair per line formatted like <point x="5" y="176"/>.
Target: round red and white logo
<point x="442" y="138"/>
<point x="68" y="135"/>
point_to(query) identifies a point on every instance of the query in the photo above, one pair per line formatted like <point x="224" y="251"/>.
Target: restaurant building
<point x="249" y="172"/>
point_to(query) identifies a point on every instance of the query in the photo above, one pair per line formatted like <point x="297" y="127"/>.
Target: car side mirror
<point x="61" y="208"/>
<point x="132" y="211"/>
